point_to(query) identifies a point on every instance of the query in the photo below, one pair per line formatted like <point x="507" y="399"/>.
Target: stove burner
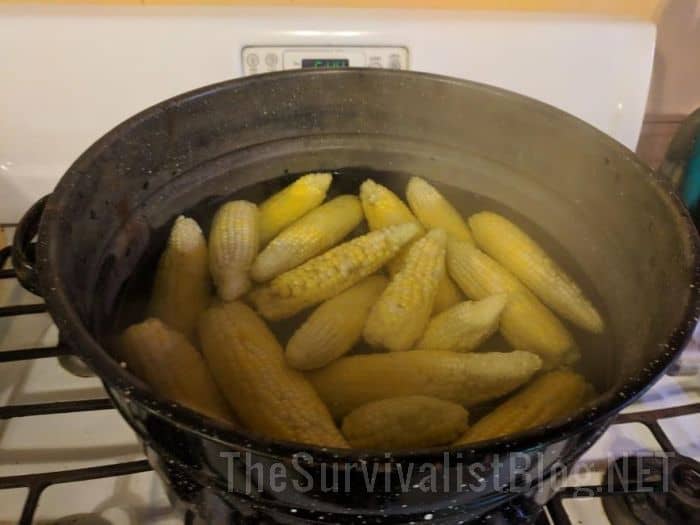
<point x="653" y="491"/>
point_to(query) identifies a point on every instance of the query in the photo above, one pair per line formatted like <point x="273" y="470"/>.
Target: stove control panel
<point x="264" y="59"/>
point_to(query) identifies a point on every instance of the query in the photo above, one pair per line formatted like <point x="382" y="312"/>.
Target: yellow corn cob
<point x="550" y="396"/>
<point x="467" y="379"/>
<point x="335" y="326"/>
<point x="330" y="273"/>
<point x="405" y="422"/>
<point x="267" y="395"/>
<point x="464" y="326"/>
<point x="294" y="201"/>
<point x="517" y="252"/>
<point x="401" y="313"/>
<point x="448" y="294"/>
<point x="181" y="287"/>
<point x="316" y="232"/>
<point x="528" y="324"/>
<point x="233" y="245"/>
<point x="173" y="368"/>
<point x="434" y="211"/>
<point x="384" y="208"/>
<point x="525" y="322"/>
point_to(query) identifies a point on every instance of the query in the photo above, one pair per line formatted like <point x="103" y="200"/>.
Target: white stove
<point x="71" y="73"/>
<point x="53" y="440"/>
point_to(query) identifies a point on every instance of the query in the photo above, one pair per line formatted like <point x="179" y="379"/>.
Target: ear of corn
<point x="517" y="252"/>
<point x="384" y="208"/>
<point x="335" y="326"/>
<point x="233" y="245"/>
<point x="401" y="313"/>
<point x="173" y="368"/>
<point x="294" y="201"/>
<point x="316" y="232"/>
<point x="477" y="274"/>
<point x="447" y="295"/>
<point x="464" y="326"/>
<point x="466" y="379"/>
<point x="434" y="211"/>
<point x="267" y="395"/>
<point x="550" y="396"/>
<point x="330" y="273"/>
<point x="181" y="287"/>
<point x="525" y="322"/>
<point x="400" y="423"/>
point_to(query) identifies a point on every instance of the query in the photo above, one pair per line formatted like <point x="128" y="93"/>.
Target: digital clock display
<point x="324" y="62"/>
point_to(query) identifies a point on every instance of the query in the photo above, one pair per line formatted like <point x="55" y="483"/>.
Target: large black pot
<point x="622" y="224"/>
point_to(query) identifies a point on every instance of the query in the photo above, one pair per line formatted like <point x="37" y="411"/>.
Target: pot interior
<point x="601" y="214"/>
<point x="598" y="363"/>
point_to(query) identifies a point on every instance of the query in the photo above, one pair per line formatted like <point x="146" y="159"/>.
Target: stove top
<point x="66" y="456"/>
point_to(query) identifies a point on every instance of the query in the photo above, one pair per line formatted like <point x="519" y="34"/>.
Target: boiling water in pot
<point x="597" y="361"/>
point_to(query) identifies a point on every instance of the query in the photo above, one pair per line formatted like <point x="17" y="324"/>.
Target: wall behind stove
<point x="675" y="82"/>
<point x="675" y="87"/>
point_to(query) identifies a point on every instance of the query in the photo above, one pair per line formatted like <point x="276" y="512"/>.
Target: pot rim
<point x="115" y="376"/>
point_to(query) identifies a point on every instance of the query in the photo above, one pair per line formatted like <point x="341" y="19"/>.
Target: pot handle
<point x="681" y="146"/>
<point x="23" y="246"/>
<point x="681" y="165"/>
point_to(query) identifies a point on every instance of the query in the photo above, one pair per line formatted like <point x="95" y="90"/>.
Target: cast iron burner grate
<point x="679" y="503"/>
<point x="37" y="483"/>
<point x="658" y="489"/>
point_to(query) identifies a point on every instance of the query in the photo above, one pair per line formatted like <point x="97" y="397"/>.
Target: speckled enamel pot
<point x="615" y="217"/>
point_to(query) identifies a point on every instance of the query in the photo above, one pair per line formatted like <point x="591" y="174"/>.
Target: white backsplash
<point x="71" y="73"/>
